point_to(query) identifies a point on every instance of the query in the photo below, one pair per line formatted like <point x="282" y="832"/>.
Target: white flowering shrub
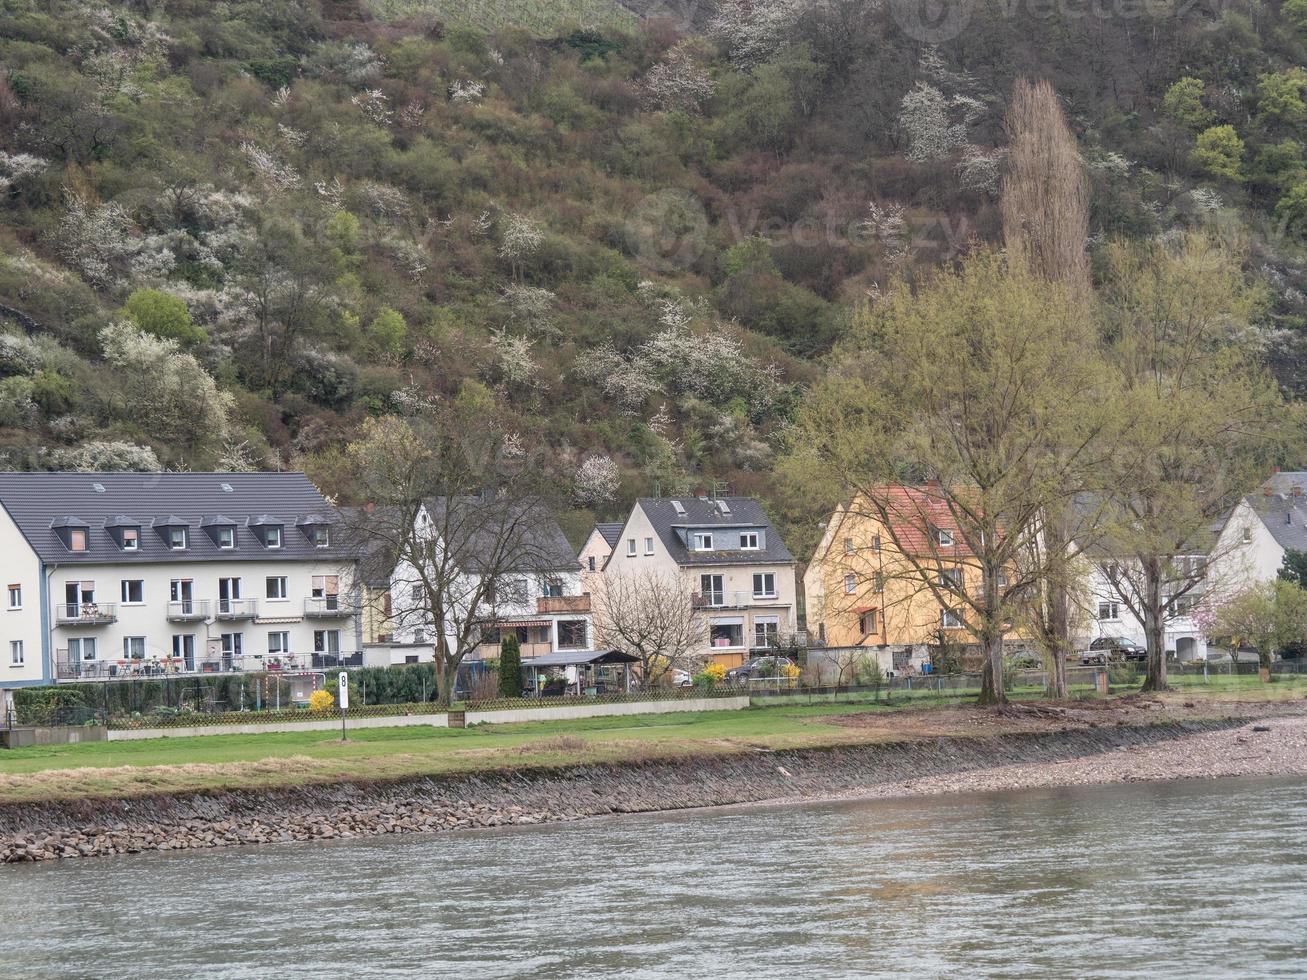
<point x="106" y="457"/>
<point x="677" y="82"/>
<point x="14" y="167"/>
<point x="531" y="308"/>
<point x="521" y="237"/>
<point x="465" y="91"/>
<point x="752" y="31"/>
<point x="374" y="104"/>
<point x="926" y="119"/>
<point x="513" y="358"/>
<point x="597" y="481"/>
<point x="18" y="355"/>
<point x="270" y="168"/>
<point x="980" y="171"/>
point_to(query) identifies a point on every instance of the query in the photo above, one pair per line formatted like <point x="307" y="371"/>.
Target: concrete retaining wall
<point x="20" y="738"/>
<point x="562" y="712"/>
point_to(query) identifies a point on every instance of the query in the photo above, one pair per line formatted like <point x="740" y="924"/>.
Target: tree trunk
<point x="446" y="679"/>
<point x="1154" y="629"/>
<point x="1057" y="604"/>
<point x="991" y="680"/>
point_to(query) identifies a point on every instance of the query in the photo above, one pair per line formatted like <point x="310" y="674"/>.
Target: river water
<point x="1164" y="880"/>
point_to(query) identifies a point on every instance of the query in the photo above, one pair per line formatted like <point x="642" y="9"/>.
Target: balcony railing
<point x="329" y="661"/>
<point x="732" y="600"/>
<point x="188" y="610"/>
<point x="327" y="607"/>
<point x="67" y="669"/>
<point x="230" y="609"/>
<point x="85" y="613"/>
<point x="563" y="604"/>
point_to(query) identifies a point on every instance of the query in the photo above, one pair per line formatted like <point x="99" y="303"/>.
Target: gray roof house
<point x="111" y="575"/>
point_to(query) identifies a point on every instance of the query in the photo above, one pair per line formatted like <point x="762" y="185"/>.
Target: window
<point x="766" y="632"/>
<point x="572" y="634"/>
<point x="848" y="546"/>
<point x="950" y="619"/>
<point x="550" y="587"/>
<point x="875" y="542"/>
<point x="272" y="537"/>
<point x="1109" y="611"/>
<point x="748" y="540"/>
<point x="1247" y="534"/>
<point x="226" y="537"/>
<point x="183" y="648"/>
<point x="133" y="591"/>
<point x="703" y="541"/>
<point x="81" y="648"/>
<point x="415" y="593"/>
<point x="233" y="645"/>
<point x="590" y="563"/>
<point x="867" y="622"/>
<point x="850" y="583"/>
<point x="279" y="642"/>
<point x="712" y="590"/>
<point x="878" y="582"/>
<point x="326" y="641"/>
<point x="274" y="587"/>
<point x="630" y="546"/>
<point x="726" y="634"/>
<point x="945" y="538"/>
<point x="77" y="539"/>
<point x="1183" y="606"/>
<point x="950" y="578"/>
<point x="16" y="653"/>
<point x="648" y="546"/>
<point x="15" y="597"/>
<point x="764" y="585"/>
<point x="177" y="538"/>
<point x="321" y="537"/>
<point x="131" y="539"/>
<point x="133" y="648"/>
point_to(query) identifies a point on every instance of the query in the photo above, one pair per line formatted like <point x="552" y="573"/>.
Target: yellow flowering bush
<point x="790" y="670"/>
<point x="322" y="700"/>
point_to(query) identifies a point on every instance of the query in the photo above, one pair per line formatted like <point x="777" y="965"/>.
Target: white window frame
<point x="173" y="538"/>
<point x="226" y="538"/>
<point x="944" y="537"/>
<point x="272" y="537"/>
<point x="84" y="643"/>
<point x="849" y="547"/>
<point x="17" y="657"/>
<point x="133" y="543"/>
<point x="1113" y="609"/>
<point x="15" y="596"/>
<point x="326" y="638"/>
<point x="703" y="541"/>
<point x="750" y="541"/>
<point x="281" y="588"/>
<point x="283" y="644"/>
<point x="123" y="593"/>
<point x="950" y="619"/>
<point x="762" y="578"/>
<point x="131" y="641"/>
<point x="850" y="583"/>
<point x="79" y="533"/>
<point x="321" y="537"/>
<point x="648" y="546"/>
<point x="630" y="546"/>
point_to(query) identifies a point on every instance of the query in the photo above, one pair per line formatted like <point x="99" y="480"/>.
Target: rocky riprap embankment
<point x="86" y="828"/>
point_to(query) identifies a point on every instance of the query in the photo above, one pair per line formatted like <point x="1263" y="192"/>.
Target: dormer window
<point x="703" y="541"/>
<point x="125" y="531"/>
<point x="272" y="536"/>
<point x="268" y="530"/>
<point x="317" y="529"/>
<point x="131" y="539"/>
<point x="321" y="537"/>
<point x="77" y="539"/>
<point x="748" y="540"/>
<point x="944" y="537"/>
<point x="177" y="538"/>
<point x="226" y="537"/>
<point x="74" y="533"/>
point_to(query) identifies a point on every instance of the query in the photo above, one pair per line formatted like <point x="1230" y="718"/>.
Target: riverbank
<point x="947" y="750"/>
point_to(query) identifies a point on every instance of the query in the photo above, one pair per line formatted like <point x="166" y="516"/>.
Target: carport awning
<point x="575" y="658"/>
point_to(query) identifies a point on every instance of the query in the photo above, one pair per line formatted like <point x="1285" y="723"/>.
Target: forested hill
<point x="233" y="231"/>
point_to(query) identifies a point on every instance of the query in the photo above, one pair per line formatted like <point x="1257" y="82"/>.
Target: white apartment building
<point x="119" y="575"/>
<point x="731" y="559"/>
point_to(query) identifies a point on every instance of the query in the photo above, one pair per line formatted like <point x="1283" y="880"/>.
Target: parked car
<point x="1108" y="649"/>
<point x="758" y="667"/>
<point x="681" y="678"/>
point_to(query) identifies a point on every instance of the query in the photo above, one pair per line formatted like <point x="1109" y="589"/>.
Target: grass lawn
<point x="131" y="768"/>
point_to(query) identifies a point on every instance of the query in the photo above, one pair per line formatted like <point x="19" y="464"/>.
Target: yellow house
<point x="864" y="590"/>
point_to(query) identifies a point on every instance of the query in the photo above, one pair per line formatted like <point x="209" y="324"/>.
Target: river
<point x="1195" y="879"/>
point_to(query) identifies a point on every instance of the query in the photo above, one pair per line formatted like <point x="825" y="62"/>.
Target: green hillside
<point x="231" y="232"/>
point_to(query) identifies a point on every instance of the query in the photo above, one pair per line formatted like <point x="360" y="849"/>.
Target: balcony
<point x="85" y="613"/>
<point x="327" y="607"/>
<point x="233" y="609"/>
<point x="328" y="661"/>
<point x="562" y="604"/>
<point x="732" y="600"/>
<point x="188" y="611"/>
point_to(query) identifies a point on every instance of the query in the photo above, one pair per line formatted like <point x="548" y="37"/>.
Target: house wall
<point x="1246" y="552"/>
<point x="149" y="618"/>
<point x="596" y="549"/>
<point x="1181" y="634"/>
<point x="20" y="566"/>
<point x="737" y="583"/>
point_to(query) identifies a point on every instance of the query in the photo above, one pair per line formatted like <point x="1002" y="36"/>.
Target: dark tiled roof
<point x="700" y="514"/>
<point x="39" y="502"/>
<point x="543" y="548"/>
<point x="1285" y="517"/>
<point x="611" y="533"/>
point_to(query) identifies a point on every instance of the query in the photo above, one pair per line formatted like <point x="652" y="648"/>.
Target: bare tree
<point x="454" y="514"/>
<point x="1045" y="227"/>
<point x="651" y="616"/>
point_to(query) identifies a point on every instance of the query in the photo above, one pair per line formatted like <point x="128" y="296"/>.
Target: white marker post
<point x="343" y="685"/>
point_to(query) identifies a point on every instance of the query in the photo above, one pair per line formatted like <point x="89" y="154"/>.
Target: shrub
<point x="322" y="700"/>
<point x="163" y="315"/>
<point x="710" y="676"/>
<point x="510" y="667"/>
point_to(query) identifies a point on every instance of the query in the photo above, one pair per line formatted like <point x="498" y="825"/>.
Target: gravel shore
<point x="1267" y="747"/>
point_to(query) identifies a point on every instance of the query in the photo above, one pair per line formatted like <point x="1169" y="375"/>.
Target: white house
<point x="1262" y="527"/>
<point x="730" y="558"/>
<point x="1108" y="616"/>
<point x="538" y="594"/>
<point x="113" y="575"/>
